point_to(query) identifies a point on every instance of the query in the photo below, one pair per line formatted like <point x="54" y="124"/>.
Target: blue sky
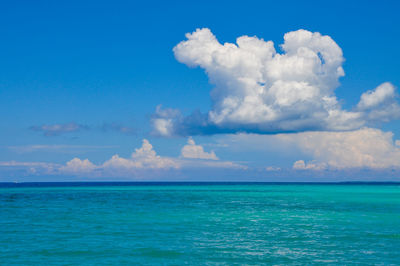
<point x="83" y="79"/>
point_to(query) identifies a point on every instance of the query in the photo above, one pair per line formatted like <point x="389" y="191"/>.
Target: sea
<point x="199" y="223"/>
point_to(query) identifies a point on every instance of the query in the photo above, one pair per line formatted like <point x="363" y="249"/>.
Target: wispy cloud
<point x="272" y="168"/>
<point x="59" y="129"/>
<point x="28" y="164"/>
<point x="30" y="168"/>
<point x="57" y="148"/>
<point x="117" y="127"/>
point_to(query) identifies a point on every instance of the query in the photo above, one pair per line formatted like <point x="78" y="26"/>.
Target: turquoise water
<point x="200" y="224"/>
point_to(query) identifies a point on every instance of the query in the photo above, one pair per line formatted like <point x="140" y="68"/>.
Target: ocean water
<point x="175" y="224"/>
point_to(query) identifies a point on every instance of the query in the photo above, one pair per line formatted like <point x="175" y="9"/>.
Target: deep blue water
<point x="199" y="223"/>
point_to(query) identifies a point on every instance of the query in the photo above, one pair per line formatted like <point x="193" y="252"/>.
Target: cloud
<point x="28" y="164"/>
<point x="358" y="150"/>
<point x="193" y="151"/>
<point x="31" y="167"/>
<point x="142" y="160"/>
<point x="193" y="156"/>
<point x="365" y="154"/>
<point x="272" y="168"/>
<point x="77" y="165"/>
<point x="365" y="148"/>
<point x="58" y="129"/>
<point x="106" y="127"/>
<point x="145" y="159"/>
<point x="258" y="90"/>
<point x="163" y="120"/>
<point x="210" y="164"/>
<point x="301" y="165"/>
<point x="56" y="148"/>
<point x="380" y="103"/>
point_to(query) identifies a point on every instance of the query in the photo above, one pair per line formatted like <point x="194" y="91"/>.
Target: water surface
<point x="199" y="223"/>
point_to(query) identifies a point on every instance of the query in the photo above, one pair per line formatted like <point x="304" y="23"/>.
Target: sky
<point x="199" y="91"/>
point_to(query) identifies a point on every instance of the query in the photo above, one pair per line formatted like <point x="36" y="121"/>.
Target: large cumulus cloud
<point x="259" y="90"/>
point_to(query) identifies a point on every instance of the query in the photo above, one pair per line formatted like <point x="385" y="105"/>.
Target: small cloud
<point x="272" y="169"/>
<point x="380" y="104"/>
<point x="142" y="158"/>
<point x="301" y="165"/>
<point x="193" y="151"/>
<point x="77" y="165"/>
<point x="116" y="127"/>
<point x="163" y="121"/>
<point x="59" y="129"/>
<point x="57" y="148"/>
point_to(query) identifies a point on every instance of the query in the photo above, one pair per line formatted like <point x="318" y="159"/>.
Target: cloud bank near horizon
<point x="353" y="152"/>
<point x="259" y="90"/>
<point x="144" y="161"/>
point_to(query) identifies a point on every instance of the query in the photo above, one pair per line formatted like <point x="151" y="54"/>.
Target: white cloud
<point x="163" y="126"/>
<point x="272" y="168"/>
<point x="380" y="103"/>
<point x="163" y="120"/>
<point x="260" y="90"/>
<point x="145" y="159"/>
<point x="77" y="165"/>
<point x="301" y="165"/>
<point x="193" y="151"/>
<point x="364" y="148"/>
<point x="118" y="162"/>
<point x="370" y="99"/>
<point x="149" y="159"/>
